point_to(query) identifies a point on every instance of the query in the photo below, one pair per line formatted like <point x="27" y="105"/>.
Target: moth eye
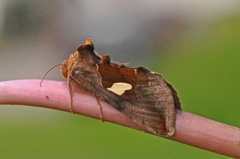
<point x="74" y="72"/>
<point x="120" y="87"/>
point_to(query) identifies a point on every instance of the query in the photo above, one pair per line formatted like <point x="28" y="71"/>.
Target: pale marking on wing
<point x="120" y="87"/>
<point x="135" y="71"/>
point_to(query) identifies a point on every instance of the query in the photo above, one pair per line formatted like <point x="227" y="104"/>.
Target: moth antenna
<point x="48" y="72"/>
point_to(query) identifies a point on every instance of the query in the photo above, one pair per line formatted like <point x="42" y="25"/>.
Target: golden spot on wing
<point x="120" y="87"/>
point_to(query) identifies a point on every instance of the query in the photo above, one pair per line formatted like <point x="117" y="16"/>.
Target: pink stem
<point x="190" y="129"/>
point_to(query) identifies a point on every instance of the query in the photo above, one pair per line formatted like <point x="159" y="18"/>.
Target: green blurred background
<point x="195" y="45"/>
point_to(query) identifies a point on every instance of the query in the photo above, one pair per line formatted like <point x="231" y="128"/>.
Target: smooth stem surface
<point x="190" y="129"/>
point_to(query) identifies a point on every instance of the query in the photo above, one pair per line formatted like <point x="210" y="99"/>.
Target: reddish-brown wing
<point x="152" y="98"/>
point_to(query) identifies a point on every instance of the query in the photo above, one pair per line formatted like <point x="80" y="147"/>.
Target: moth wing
<point x="156" y="109"/>
<point x="152" y="100"/>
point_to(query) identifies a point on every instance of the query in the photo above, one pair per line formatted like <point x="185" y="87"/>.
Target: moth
<point x="143" y="96"/>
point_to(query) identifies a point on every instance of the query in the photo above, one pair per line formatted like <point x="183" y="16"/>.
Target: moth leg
<point x="70" y="93"/>
<point x="100" y="107"/>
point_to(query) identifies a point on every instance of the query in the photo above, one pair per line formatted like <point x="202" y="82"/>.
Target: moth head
<point x="84" y="52"/>
<point x="67" y="65"/>
<point x="63" y="69"/>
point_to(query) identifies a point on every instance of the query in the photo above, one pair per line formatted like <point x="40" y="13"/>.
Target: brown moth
<point x="143" y="96"/>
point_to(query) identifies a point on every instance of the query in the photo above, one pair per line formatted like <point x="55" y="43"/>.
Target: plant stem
<point x="190" y="129"/>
